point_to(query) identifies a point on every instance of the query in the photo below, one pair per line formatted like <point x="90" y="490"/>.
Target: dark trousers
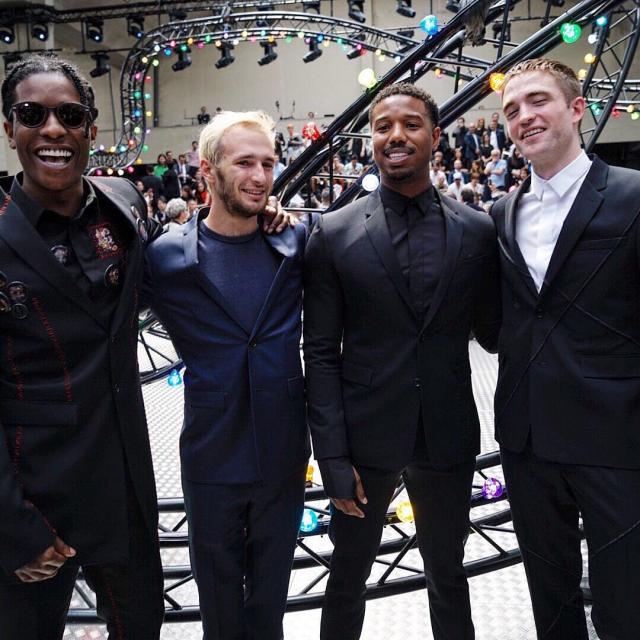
<point x="241" y="540"/>
<point x="129" y="596"/>
<point x="546" y="500"/>
<point x="440" y="502"/>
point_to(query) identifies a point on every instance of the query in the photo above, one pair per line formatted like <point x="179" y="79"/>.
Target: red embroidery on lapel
<point x="15" y="372"/>
<point x="5" y="204"/>
<point x="59" y="351"/>
<point x="104" y="240"/>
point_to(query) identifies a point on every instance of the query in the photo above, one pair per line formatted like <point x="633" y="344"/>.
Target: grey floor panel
<point x="500" y="600"/>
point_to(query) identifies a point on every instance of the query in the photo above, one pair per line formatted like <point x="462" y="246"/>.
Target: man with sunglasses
<point x="76" y="478"/>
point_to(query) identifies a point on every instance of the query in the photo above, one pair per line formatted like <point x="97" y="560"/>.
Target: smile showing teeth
<point x="54" y="155"/>
<point x="253" y="193"/>
<point x="533" y="132"/>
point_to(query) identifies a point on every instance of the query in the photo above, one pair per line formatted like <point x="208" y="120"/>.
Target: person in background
<point x="176" y="214"/>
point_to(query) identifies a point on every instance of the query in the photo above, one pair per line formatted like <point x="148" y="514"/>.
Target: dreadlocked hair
<point x="39" y="63"/>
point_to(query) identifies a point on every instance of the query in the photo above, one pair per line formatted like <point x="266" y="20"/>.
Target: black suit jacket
<point x="569" y="375"/>
<point x="69" y="379"/>
<point x="372" y="365"/>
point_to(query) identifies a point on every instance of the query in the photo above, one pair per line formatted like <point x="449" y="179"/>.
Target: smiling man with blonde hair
<point x="230" y="295"/>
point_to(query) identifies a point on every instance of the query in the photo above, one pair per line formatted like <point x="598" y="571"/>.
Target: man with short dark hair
<point x="395" y="282"/>
<point x="76" y="478"/>
<point x="566" y="406"/>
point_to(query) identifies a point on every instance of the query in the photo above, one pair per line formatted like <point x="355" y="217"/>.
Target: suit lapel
<point x="122" y="206"/>
<point x="25" y="241"/>
<point x="378" y="232"/>
<point x="453" y="243"/>
<point x="514" y="254"/>
<point x="190" y="247"/>
<point x="286" y="244"/>
<point x="584" y="207"/>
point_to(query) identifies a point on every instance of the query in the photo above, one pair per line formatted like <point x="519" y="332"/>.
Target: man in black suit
<point x="76" y="479"/>
<point x="471" y="144"/>
<point x="394" y="284"/>
<point x="566" y="405"/>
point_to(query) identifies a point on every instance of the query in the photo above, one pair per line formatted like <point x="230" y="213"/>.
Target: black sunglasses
<point x="71" y="115"/>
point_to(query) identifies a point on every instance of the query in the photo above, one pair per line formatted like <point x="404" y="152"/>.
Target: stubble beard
<point x="232" y="204"/>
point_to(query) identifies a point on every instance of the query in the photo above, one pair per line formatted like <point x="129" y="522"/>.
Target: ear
<point x="578" y="107"/>
<point x="208" y="171"/>
<point x="436" y="136"/>
<point x="8" y="130"/>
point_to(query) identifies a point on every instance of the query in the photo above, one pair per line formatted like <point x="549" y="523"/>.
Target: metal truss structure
<point x="605" y="84"/>
<point x="613" y="54"/>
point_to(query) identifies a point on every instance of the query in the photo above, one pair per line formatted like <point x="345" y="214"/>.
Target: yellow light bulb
<point x="496" y="80"/>
<point x="404" y="511"/>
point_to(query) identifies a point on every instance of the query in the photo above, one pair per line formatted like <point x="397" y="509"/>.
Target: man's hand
<point x="276" y="218"/>
<point x="47" y="564"/>
<point x="348" y="505"/>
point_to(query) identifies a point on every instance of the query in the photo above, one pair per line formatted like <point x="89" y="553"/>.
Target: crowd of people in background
<point x="475" y="163"/>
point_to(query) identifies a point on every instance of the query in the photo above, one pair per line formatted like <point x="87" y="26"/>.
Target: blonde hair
<point x="211" y="136"/>
<point x="565" y="76"/>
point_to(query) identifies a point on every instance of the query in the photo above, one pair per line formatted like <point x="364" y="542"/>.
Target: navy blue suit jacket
<point x="244" y="417"/>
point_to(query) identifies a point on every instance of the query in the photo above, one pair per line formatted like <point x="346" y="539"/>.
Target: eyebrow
<point x="527" y="96"/>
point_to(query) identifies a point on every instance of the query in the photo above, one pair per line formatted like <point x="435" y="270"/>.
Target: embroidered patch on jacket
<point x="104" y="240"/>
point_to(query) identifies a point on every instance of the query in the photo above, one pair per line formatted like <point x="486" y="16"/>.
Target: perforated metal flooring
<point x="500" y="600"/>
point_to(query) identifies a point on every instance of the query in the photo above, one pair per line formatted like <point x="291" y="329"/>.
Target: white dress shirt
<point x="542" y="212"/>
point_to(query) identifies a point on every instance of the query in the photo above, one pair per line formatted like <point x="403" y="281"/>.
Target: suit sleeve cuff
<point x="338" y="478"/>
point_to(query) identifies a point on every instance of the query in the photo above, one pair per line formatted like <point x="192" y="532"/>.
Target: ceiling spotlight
<point x="406" y="33"/>
<point x="308" y="5"/>
<point x="556" y="3"/>
<point x="226" y="57"/>
<point x="183" y="60"/>
<point x="453" y="6"/>
<point x="497" y="30"/>
<point x="356" y="10"/>
<point x="176" y="15"/>
<point x="269" y="53"/>
<point x="93" y="29"/>
<point x="102" y="65"/>
<point x="40" y="31"/>
<point x="263" y="23"/>
<point x="7" y="33"/>
<point x="314" y="51"/>
<point x="135" y="26"/>
<point x="404" y="8"/>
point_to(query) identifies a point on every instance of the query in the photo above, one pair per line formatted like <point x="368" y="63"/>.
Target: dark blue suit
<point x="244" y="443"/>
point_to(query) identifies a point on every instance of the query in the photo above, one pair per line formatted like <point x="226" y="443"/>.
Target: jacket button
<point x="253" y="344"/>
<point x="516" y="305"/>
<point x="539" y="314"/>
<point x="416" y="383"/>
<point x="116" y="388"/>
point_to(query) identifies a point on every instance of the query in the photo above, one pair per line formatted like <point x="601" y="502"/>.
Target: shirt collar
<point x="33" y="210"/>
<point x="564" y="179"/>
<point x="398" y="202"/>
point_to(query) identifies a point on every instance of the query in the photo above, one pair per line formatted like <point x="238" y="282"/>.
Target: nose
<point x="52" y="127"/>
<point x="397" y="133"/>
<point x="525" y="114"/>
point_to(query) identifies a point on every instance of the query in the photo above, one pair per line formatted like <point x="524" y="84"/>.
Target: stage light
<point x="635" y="115"/>
<point x="570" y="32"/>
<point x="367" y="78"/>
<point x="40" y="31"/>
<point x="429" y="24"/>
<point x="102" y="65"/>
<point x="595" y="109"/>
<point x="177" y="15"/>
<point x="589" y="58"/>
<point x="314" y="51"/>
<point x="370" y="182"/>
<point x="183" y="61"/>
<point x="496" y="80"/>
<point x="492" y="489"/>
<point x="557" y="3"/>
<point x="135" y="26"/>
<point x="356" y="52"/>
<point x="602" y="21"/>
<point x="404" y="8"/>
<point x="453" y="6"/>
<point x="406" y="33"/>
<point x="263" y="23"/>
<point x="226" y="57"/>
<point x="309" y="521"/>
<point x="631" y="108"/>
<point x="174" y="378"/>
<point x="404" y="511"/>
<point x="93" y="29"/>
<point x="497" y="30"/>
<point x="269" y="53"/>
<point x="356" y="10"/>
<point x="582" y="74"/>
<point x="7" y="33"/>
<point x="308" y="5"/>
